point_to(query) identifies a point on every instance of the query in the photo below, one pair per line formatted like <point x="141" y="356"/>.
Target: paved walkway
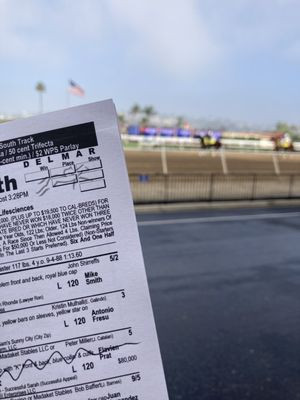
<point x="225" y="288"/>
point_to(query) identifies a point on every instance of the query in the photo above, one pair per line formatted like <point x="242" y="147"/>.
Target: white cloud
<point x="11" y="41"/>
<point x="32" y="30"/>
<point x="168" y="33"/>
<point x="79" y="18"/>
<point x="292" y="52"/>
<point x="178" y="37"/>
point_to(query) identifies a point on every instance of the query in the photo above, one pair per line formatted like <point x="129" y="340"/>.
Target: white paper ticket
<point x="75" y="315"/>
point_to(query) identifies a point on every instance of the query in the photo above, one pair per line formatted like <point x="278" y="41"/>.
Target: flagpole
<point x="68" y="97"/>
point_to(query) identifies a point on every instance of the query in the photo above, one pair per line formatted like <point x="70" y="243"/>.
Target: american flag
<point x="75" y="89"/>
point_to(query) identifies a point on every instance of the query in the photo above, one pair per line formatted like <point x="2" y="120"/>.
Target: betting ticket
<point x="75" y="314"/>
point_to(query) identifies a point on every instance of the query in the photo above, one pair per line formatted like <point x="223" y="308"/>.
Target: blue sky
<point x="234" y="59"/>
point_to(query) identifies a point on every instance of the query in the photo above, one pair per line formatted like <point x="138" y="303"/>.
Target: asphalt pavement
<point x="225" y="288"/>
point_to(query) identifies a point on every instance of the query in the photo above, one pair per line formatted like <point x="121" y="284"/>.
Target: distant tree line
<point x="145" y="113"/>
<point x="292" y="130"/>
<point x="142" y="116"/>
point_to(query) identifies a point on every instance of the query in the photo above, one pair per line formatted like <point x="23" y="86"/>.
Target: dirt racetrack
<point x="176" y="162"/>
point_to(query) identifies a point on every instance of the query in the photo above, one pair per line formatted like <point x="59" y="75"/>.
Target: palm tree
<point x="135" y="109"/>
<point x="180" y="122"/>
<point x="144" y="121"/>
<point x="149" y="111"/>
<point x="40" y="88"/>
<point x="122" y="119"/>
<point x="122" y="122"/>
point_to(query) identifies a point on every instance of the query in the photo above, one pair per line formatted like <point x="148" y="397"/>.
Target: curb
<point x="214" y="205"/>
